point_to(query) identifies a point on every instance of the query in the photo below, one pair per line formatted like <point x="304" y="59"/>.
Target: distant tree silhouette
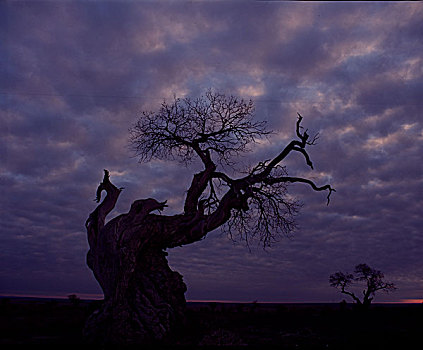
<point x="144" y="298"/>
<point x="363" y="273"/>
<point x="74" y="299"/>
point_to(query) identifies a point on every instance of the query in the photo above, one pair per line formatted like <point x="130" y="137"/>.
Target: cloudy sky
<point x="75" y="76"/>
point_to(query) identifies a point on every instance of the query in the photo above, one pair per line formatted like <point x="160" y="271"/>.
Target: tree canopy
<point x="217" y="129"/>
<point x="372" y="278"/>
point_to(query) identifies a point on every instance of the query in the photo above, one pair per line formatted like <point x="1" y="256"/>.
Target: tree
<point x="74" y="299"/>
<point x="363" y="273"/>
<point x="144" y="298"/>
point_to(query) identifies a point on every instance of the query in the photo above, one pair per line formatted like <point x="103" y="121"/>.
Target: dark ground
<point x="289" y="326"/>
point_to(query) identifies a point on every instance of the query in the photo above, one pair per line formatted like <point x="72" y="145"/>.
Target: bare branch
<point x="197" y="187"/>
<point x="295" y="145"/>
<point x="305" y="154"/>
<point x="224" y="177"/>
<point x="96" y="219"/>
<point x="291" y="179"/>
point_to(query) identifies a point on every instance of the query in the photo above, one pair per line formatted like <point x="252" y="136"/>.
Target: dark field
<point x="58" y="321"/>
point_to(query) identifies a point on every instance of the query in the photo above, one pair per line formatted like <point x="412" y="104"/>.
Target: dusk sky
<point x="76" y="75"/>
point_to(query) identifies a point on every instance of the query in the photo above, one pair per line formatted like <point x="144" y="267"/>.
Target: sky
<point x="76" y="75"/>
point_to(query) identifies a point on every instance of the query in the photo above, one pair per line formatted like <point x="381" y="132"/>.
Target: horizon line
<point x="90" y="296"/>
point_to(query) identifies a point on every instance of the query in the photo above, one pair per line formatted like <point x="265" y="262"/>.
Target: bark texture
<point x="143" y="298"/>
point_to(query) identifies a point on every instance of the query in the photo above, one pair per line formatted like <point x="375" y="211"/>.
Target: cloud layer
<point x="75" y="76"/>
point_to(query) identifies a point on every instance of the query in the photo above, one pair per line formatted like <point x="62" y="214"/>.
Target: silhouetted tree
<point x="144" y="298"/>
<point x="372" y="278"/>
<point x="74" y="299"/>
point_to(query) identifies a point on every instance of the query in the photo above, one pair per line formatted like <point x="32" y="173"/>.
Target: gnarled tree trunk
<point x="143" y="298"/>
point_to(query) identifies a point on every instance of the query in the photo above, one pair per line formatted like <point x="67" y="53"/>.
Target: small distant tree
<point x="372" y="278"/>
<point x="74" y="299"/>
